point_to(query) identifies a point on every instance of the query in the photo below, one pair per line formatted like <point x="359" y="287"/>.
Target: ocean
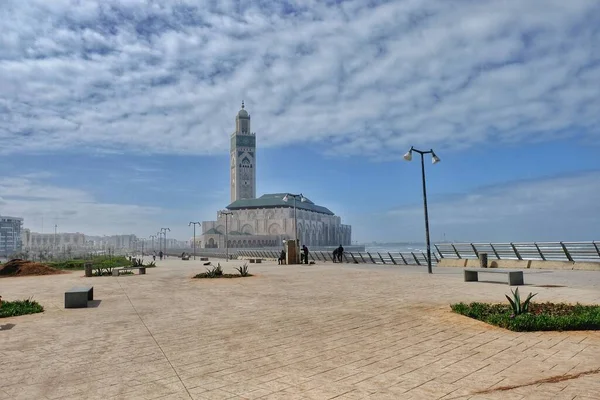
<point x="397" y="247"/>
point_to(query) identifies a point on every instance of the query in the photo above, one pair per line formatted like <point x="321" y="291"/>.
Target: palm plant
<point x="518" y="307"/>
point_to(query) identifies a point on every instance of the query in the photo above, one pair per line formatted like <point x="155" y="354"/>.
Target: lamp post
<point x="435" y="159"/>
<point x="226" y="214"/>
<point x="55" y="243"/>
<point x="164" y="232"/>
<point x="152" y="237"/>
<point x="159" y="234"/>
<point x="194" y="223"/>
<point x="302" y="200"/>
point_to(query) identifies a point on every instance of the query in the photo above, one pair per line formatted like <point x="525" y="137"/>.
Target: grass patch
<point x="539" y="317"/>
<point x="97" y="262"/>
<point x="206" y="275"/>
<point x="19" y="307"/>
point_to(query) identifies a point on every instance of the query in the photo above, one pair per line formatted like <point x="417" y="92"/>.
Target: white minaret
<point x="243" y="158"/>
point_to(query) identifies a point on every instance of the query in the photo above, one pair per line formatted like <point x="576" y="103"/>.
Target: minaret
<point x="243" y="158"/>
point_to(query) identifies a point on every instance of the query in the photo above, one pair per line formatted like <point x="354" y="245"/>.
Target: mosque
<point x="251" y="222"/>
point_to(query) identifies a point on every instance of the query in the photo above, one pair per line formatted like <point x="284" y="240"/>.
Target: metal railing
<point x="543" y="251"/>
<point x="391" y="258"/>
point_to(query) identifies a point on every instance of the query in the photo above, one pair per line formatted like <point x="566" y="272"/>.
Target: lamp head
<point x="435" y="159"/>
<point x="285" y="198"/>
<point x="408" y="156"/>
<point x="302" y="198"/>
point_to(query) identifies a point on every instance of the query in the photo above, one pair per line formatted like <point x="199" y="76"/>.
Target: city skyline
<point x="116" y="117"/>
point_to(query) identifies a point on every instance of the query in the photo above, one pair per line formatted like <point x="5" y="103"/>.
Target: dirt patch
<point x="18" y="267"/>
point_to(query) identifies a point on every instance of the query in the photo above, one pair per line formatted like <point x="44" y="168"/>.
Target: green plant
<point x="243" y="270"/>
<point x="515" y="302"/>
<point x="19" y="307"/>
<point x="541" y="316"/>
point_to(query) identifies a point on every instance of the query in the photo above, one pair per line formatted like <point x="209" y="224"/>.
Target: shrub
<point x="515" y="302"/>
<point x="19" y="307"/>
<point x="243" y="270"/>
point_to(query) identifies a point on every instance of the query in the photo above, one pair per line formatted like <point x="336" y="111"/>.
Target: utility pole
<point x="194" y="223"/>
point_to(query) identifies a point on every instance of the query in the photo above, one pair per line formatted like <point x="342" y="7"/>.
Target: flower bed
<point x="539" y="317"/>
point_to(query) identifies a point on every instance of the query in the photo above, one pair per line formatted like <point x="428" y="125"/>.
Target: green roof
<point x="212" y="231"/>
<point x="276" y="200"/>
<point x="239" y="233"/>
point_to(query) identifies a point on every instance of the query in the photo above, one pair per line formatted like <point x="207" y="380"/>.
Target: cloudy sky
<point x="115" y="115"/>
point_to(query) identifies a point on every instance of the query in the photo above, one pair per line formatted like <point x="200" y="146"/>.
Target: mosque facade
<point x="251" y="222"/>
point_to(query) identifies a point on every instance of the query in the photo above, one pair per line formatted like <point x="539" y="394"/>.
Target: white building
<point x="10" y="235"/>
<point x="267" y="220"/>
<point x="59" y="241"/>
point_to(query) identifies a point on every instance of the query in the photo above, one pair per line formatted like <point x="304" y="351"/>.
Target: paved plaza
<point x="325" y="331"/>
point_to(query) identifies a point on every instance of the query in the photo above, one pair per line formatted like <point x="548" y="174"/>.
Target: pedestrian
<point x="281" y="260"/>
<point x="160" y="254"/>
<point x="340" y="252"/>
<point x="335" y="252"/>
<point x="305" y="251"/>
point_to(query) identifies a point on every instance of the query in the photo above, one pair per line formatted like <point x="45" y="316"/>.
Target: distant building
<point x="10" y="235"/>
<point x="267" y="220"/>
<point x="50" y="241"/>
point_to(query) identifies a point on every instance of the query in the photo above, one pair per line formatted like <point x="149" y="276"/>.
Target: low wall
<point x="525" y="264"/>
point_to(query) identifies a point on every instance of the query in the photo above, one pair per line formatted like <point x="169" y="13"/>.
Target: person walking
<point x="305" y="251"/>
<point x="340" y="252"/>
<point x="160" y="254"/>
<point x="281" y="260"/>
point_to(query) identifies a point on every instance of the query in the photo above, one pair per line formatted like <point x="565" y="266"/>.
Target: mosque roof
<point x="212" y="231"/>
<point x="275" y="200"/>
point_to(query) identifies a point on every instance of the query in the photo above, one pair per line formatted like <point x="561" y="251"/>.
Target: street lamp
<point x="226" y="214"/>
<point x="435" y="159"/>
<point x="302" y="200"/>
<point x="194" y="223"/>
<point x="164" y="231"/>
<point x="152" y="237"/>
<point x="159" y="234"/>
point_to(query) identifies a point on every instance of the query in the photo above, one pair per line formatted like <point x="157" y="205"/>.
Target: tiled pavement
<point x="290" y="332"/>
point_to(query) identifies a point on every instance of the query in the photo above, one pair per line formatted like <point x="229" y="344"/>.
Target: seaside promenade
<point x="328" y="331"/>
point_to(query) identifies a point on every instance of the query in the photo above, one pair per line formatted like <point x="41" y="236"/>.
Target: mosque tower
<point x="243" y="158"/>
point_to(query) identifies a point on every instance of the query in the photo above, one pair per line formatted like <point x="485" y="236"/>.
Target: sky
<point x="115" y="116"/>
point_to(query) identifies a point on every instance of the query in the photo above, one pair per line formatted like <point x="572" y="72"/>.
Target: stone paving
<point x="290" y="332"/>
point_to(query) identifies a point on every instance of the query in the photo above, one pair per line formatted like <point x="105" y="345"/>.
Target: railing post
<point x="353" y="259"/>
<point x="382" y="260"/>
<point x="403" y="259"/>
<point x="540" y="251"/>
<point x="392" y="258"/>
<point x="415" y="257"/>
<point x="456" y="251"/>
<point x="566" y="251"/>
<point x="346" y="257"/>
<point x="362" y="258"/>
<point x="318" y="258"/>
<point x="373" y="261"/>
<point x="435" y="256"/>
<point x="597" y="249"/>
<point x="324" y="257"/>
<point x="495" y="252"/>
<point x="475" y="250"/>
<point x="516" y="252"/>
<point x="438" y="250"/>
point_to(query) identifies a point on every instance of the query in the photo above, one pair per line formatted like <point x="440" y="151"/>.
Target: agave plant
<point x="243" y="270"/>
<point x="515" y="302"/>
<point x="218" y="270"/>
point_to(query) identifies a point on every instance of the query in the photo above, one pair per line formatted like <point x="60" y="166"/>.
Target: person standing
<point x="340" y="252"/>
<point x="160" y="254"/>
<point x="305" y="251"/>
<point x="281" y="260"/>
<point x="335" y="254"/>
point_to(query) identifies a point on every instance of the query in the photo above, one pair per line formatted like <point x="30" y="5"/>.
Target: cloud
<point x="369" y="77"/>
<point x="556" y="208"/>
<point x="73" y="210"/>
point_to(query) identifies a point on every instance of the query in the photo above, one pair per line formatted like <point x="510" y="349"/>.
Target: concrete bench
<point x="515" y="277"/>
<point x="203" y="258"/>
<point x="78" y="296"/>
<point x="119" y="270"/>
<point x="255" y="260"/>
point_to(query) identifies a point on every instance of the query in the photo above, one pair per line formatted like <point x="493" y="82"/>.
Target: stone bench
<point x="203" y="258"/>
<point x="255" y="260"/>
<point x="78" y="296"/>
<point x="515" y="277"/>
<point x="119" y="270"/>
